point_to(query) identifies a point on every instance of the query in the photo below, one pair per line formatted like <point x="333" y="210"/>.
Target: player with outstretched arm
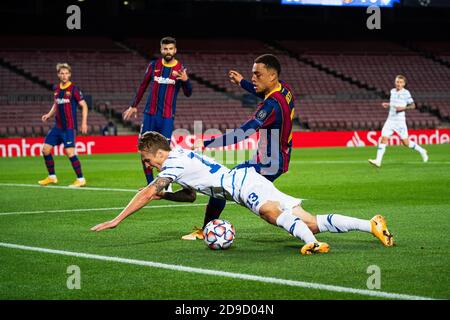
<point x="400" y="102"/>
<point x="272" y="119"/>
<point x="197" y="173"/>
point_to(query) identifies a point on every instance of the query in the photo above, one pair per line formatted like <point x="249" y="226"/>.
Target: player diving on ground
<point x="199" y="173"/>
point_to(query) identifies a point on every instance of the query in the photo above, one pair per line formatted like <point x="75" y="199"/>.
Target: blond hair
<point x="63" y="65"/>
<point x="152" y="141"/>
<point x="400" y="76"/>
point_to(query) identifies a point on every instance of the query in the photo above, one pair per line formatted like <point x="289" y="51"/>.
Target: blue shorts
<point x="57" y="136"/>
<point x="158" y="124"/>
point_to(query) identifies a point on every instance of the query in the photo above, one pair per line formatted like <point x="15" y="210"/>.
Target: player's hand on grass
<point x="182" y="75"/>
<point x="235" y="77"/>
<point x="45" y="117"/>
<point x="84" y="128"/>
<point x="105" y="225"/>
<point x="199" y="145"/>
<point x="129" y="113"/>
<point x="385" y="104"/>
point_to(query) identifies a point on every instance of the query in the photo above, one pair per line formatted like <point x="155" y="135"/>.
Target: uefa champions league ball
<point x="219" y="234"/>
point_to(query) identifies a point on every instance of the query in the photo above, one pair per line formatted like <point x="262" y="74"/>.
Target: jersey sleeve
<point x="408" y="98"/>
<point x="143" y="86"/>
<point x="172" y="169"/>
<point x="187" y="88"/>
<point x="77" y="94"/>
<point x="262" y="117"/>
<point x="248" y="86"/>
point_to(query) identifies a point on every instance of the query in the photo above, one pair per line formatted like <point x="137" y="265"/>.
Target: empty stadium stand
<point x="111" y="71"/>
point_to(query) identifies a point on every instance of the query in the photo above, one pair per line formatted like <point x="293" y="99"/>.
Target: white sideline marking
<point x="102" y="209"/>
<point x="64" y="187"/>
<point x="71" y="188"/>
<point x="293" y="283"/>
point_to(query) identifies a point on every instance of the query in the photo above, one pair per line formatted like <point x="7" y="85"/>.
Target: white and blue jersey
<point x="399" y="98"/>
<point x="205" y="175"/>
<point x="396" y="121"/>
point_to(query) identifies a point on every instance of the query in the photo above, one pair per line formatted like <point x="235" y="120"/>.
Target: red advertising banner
<point x="25" y="147"/>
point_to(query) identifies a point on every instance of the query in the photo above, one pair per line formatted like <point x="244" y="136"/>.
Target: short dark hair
<point x="270" y="61"/>
<point x="152" y="141"/>
<point x="168" y="40"/>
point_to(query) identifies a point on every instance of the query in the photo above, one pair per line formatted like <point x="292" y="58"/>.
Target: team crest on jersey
<point x="68" y="93"/>
<point x="261" y="115"/>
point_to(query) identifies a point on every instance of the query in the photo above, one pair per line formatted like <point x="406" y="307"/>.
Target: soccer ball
<point x="219" y="234"/>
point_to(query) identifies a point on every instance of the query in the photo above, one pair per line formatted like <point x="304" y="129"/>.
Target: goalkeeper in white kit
<point x="399" y="103"/>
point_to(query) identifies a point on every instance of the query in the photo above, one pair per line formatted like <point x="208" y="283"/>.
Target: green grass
<point x="413" y="196"/>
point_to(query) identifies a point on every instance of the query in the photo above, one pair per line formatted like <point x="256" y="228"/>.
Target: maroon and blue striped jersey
<point x="161" y="79"/>
<point x="275" y="115"/>
<point x="66" y="100"/>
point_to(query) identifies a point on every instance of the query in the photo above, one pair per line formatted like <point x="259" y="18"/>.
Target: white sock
<point x="295" y="226"/>
<point x="52" y="176"/>
<point x="339" y="223"/>
<point x="380" y="152"/>
<point x="415" y="146"/>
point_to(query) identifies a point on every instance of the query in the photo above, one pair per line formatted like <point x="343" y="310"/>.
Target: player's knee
<point x="46" y="150"/>
<point x="270" y="212"/>
<point x="309" y="219"/>
<point x="69" y="152"/>
<point x="312" y="224"/>
<point x="384" y="140"/>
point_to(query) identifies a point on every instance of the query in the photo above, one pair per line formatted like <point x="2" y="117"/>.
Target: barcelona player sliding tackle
<point x="195" y="172"/>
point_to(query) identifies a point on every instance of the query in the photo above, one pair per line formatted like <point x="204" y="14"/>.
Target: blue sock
<point x="50" y="164"/>
<point x="213" y="210"/>
<point x="76" y="165"/>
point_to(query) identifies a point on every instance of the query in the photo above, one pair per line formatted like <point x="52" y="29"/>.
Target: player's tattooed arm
<point x="161" y="184"/>
<point x="408" y="107"/>
<point x="183" y="195"/>
<point x="143" y="197"/>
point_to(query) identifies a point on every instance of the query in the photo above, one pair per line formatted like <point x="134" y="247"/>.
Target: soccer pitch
<point x="45" y="230"/>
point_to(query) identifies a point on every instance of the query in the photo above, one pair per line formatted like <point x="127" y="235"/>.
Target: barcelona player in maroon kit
<point x="273" y="120"/>
<point x="164" y="77"/>
<point x="67" y="97"/>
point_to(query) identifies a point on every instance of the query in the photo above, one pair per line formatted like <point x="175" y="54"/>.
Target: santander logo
<point x="356" y="141"/>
